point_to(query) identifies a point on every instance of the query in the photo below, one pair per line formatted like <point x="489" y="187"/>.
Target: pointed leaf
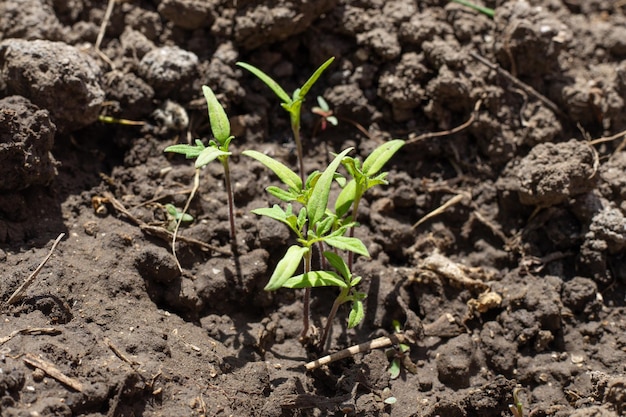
<point x="339" y="264"/>
<point x="220" y="125"/>
<point x="380" y="156"/>
<point x="356" y="314"/>
<point x="189" y="151"/>
<point x="351" y="244"/>
<point x="274" y="212"/>
<point x="286" y="267"/>
<point x="267" y="80"/>
<point x="345" y="199"/>
<point x="207" y="155"/>
<point x="316" y="206"/>
<point x="286" y="175"/>
<point x="281" y="194"/>
<point x="309" y="83"/>
<point x="315" y="279"/>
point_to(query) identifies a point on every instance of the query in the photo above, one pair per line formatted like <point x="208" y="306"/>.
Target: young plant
<point x="364" y="176"/>
<point x="217" y="149"/>
<point x="292" y="104"/>
<point x="174" y="216"/>
<point x="399" y="356"/>
<point x="484" y="10"/>
<point x="312" y="226"/>
<point x="327" y="116"/>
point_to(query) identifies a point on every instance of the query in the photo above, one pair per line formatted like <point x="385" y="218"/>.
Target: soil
<point x="516" y="285"/>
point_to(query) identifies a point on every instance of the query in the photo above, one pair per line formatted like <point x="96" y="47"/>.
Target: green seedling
<point x="484" y="10"/>
<point x="399" y="356"/>
<point x="174" y="216"/>
<point x="313" y="225"/>
<point x="114" y="120"/>
<point x="324" y="111"/>
<point x="217" y="149"/>
<point x="364" y="176"/>
<point x="517" y="408"/>
<point x="327" y="116"/>
<point x="292" y="104"/>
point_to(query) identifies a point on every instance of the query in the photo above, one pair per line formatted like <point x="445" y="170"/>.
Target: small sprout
<point x="324" y="111"/>
<point x="517" y="409"/>
<point x="114" y="120"/>
<point x="484" y="10"/>
<point x="292" y="104"/>
<point x="174" y="216"/>
<point x="399" y="356"/>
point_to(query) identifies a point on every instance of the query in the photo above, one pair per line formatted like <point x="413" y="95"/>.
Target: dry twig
<point x="53" y="371"/>
<point x="19" y="293"/>
<point x="30" y="330"/>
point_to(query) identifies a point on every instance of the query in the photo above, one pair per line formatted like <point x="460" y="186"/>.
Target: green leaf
<point x="345" y="199"/>
<point x="351" y="244"/>
<point x="324" y="226"/>
<point x="267" y="80"/>
<point x="380" y="156"/>
<point x="315" y="279"/>
<point x="394" y="369"/>
<point x="275" y="212"/>
<point x="316" y="206"/>
<point x="281" y="194"/>
<point x="189" y="151"/>
<point x="209" y="154"/>
<point x="309" y="83"/>
<point x="220" y="125"/>
<point x="339" y="264"/>
<point x="356" y="314"/>
<point x="286" y="267"/>
<point x="301" y="218"/>
<point x="286" y="175"/>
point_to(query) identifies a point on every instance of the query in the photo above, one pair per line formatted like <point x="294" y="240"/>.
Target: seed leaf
<point x="286" y="267"/>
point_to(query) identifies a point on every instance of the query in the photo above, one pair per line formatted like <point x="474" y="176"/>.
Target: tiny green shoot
<point x="399" y="356"/>
<point x="324" y="111"/>
<point x="174" y="216"/>
<point x="217" y="149"/>
<point x="292" y="104"/>
<point x="484" y="10"/>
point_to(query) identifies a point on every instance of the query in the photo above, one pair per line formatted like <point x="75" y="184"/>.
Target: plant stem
<point x="329" y="320"/>
<point x="231" y="202"/>
<point x="306" y="301"/>
<point x="295" y="128"/>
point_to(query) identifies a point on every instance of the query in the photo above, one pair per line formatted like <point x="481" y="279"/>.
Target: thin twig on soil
<point x="120" y="354"/>
<point x="53" y="371"/>
<point x="452" y="131"/>
<point x="19" y="293"/>
<point x="159" y="232"/>
<point x="103" y="26"/>
<point x="30" y="330"/>
<point x="520" y="84"/>
<point x="377" y="343"/>
<point x="454" y="200"/>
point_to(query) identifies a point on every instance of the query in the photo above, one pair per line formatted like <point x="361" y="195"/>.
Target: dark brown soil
<point x="517" y="285"/>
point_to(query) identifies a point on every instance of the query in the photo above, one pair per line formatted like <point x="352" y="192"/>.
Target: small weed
<point x="293" y="104"/>
<point x="484" y="10"/>
<point x="399" y="356"/>
<point x="174" y="216"/>
<point x="217" y="149"/>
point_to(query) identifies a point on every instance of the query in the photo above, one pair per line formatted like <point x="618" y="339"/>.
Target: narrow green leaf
<point x="286" y="267"/>
<point x="309" y="83"/>
<point x="380" y="156"/>
<point x="356" y="314"/>
<point x="207" y="155"/>
<point x="301" y="218"/>
<point x="324" y="226"/>
<point x="267" y="80"/>
<point x="318" y="201"/>
<point x="351" y="244"/>
<point x="345" y="198"/>
<point x="189" y="151"/>
<point x="274" y="212"/>
<point x="339" y="264"/>
<point x="315" y="279"/>
<point x="281" y="194"/>
<point x="286" y="175"/>
<point x="220" y="125"/>
<point x="394" y="372"/>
